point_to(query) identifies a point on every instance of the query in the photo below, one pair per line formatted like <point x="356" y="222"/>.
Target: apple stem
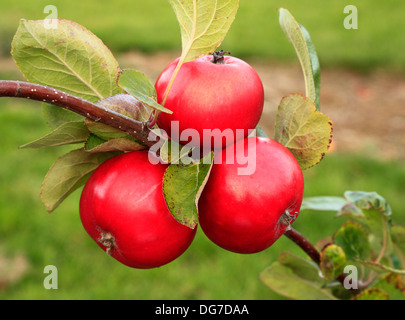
<point x="137" y="129"/>
<point x="218" y="57"/>
<point x="304" y="244"/>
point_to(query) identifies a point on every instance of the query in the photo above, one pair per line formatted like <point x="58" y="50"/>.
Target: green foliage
<point x="305" y="49"/>
<point x="333" y="261"/>
<point x="173" y="152"/>
<point x="95" y="144"/>
<point x="203" y="25"/>
<point x="66" y="133"/>
<point x="305" y="131"/>
<point x="372" y="294"/>
<point x="373" y="213"/>
<point x="353" y="239"/>
<point x="183" y="202"/>
<point x="70" y="58"/>
<point x="300" y="126"/>
<point x="393" y="285"/>
<point x="331" y="203"/>
<point x="56" y="116"/>
<point x="295" y="278"/>
<point x="68" y="173"/>
<point x="138" y="85"/>
<point x="364" y="242"/>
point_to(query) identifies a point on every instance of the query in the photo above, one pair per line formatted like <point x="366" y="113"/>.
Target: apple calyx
<point x="287" y="218"/>
<point x="218" y="57"/>
<point x="108" y="241"/>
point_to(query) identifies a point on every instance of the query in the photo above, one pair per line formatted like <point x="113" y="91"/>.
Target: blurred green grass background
<point x="151" y="25"/>
<point x="204" y="271"/>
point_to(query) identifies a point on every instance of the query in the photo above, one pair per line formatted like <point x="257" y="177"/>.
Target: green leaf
<point x="93" y="142"/>
<point x="96" y="144"/>
<point x="171" y="151"/>
<point x="369" y="200"/>
<point x="104" y="131"/>
<point x="380" y="268"/>
<point x="55" y="116"/>
<point x="359" y="202"/>
<point x="283" y="280"/>
<point x="304" y="268"/>
<point x="353" y="239"/>
<point x="168" y="156"/>
<point x="306" y="52"/>
<point x="315" y="67"/>
<point x="306" y="132"/>
<point x="374" y="213"/>
<point x="67" y="174"/>
<point x="372" y="294"/>
<point x="67" y="133"/>
<point x="203" y="24"/>
<point x="69" y="58"/>
<point x="393" y="285"/>
<point x="326" y="203"/>
<point x="333" y="261"/>
<point x="138" y="85"/>
<point x="182" y="187"/>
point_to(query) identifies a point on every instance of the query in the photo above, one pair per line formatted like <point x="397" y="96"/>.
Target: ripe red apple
<point x="248" y="213"/>
<point x="222" y="93"/>
<point x="122" y="208"/>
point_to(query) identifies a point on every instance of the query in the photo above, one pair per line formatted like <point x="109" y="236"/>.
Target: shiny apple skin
<point x="123" y="198"/>
<point x="211" y="96"/>
<point x="243" y="213"/>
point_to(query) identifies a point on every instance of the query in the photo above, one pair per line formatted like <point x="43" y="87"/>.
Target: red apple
<point x="248" y="213"/>
<point x="123" y="209"/>
<point x="223" y="95"/>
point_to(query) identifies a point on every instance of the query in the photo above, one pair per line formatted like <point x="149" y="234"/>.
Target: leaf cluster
<point x="363" y="260"/>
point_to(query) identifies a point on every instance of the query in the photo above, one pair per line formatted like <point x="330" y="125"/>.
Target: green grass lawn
<point x="205" y="271"/>
<point x="151" y="26"/>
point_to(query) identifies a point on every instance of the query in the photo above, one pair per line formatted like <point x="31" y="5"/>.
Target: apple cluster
<point x="122" y="206"/>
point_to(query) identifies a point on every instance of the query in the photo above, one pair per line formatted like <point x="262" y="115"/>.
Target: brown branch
<point x="19" y="89"/>
<point x="304" y="244"/>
